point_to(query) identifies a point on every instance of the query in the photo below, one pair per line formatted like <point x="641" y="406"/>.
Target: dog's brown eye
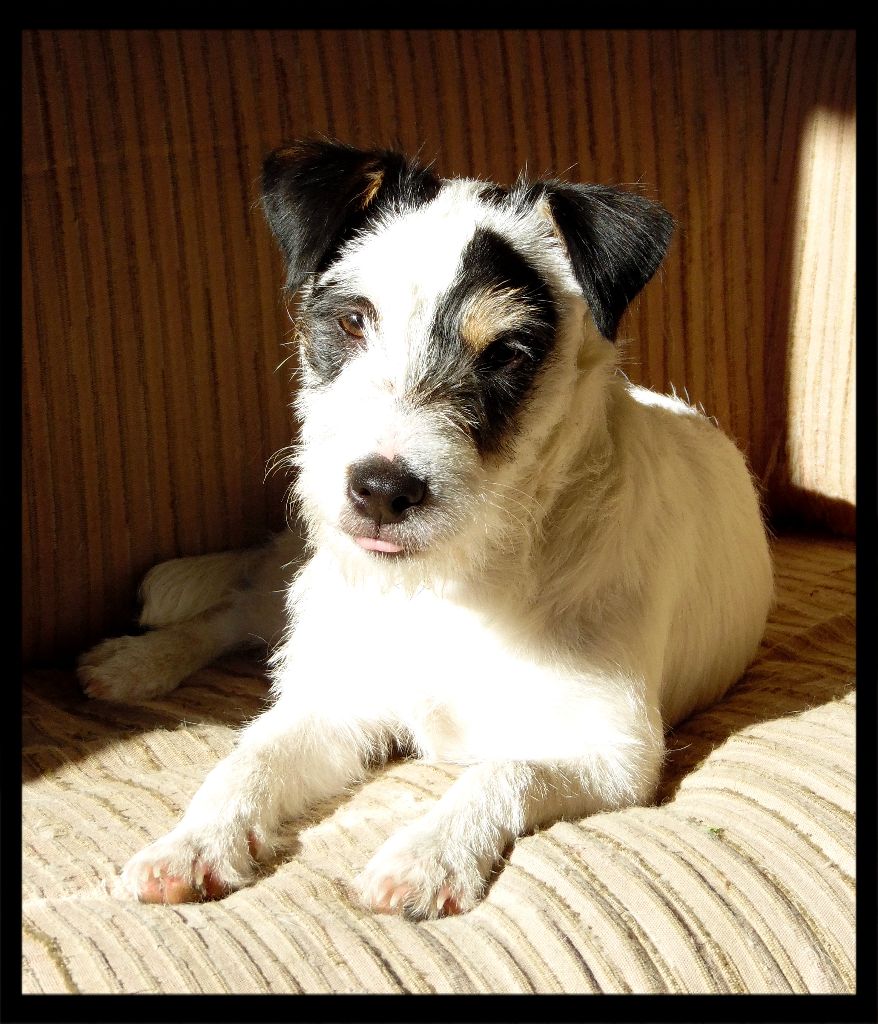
<point x="353" y="324"/>
<point x="503" y="354"/>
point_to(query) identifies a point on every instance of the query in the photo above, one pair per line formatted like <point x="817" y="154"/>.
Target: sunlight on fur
<point x="511" y="558"/>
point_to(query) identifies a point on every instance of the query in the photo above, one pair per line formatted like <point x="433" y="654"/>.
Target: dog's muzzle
<point x="383" y="492"/>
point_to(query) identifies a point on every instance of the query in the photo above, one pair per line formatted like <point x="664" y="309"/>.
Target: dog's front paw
<point x="423" y="876"/>
<point x="186" y="867"/>
<point x="129" y="668"/>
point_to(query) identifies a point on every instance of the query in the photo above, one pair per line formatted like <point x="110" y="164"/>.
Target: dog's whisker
<point x="284" y="361"/>
<point x="290" y="506"/>
<point x="507" y="512"/>
<point x="281" y="459"/>
<point x="519" y="504"/>
<point x="525" y="498"/>
<point x="521" y="498"/>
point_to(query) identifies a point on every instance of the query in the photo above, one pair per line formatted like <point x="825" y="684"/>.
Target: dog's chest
<point x="422" y="659"/>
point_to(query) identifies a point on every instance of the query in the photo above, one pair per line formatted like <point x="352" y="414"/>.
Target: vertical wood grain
<point x="153" y="317"/>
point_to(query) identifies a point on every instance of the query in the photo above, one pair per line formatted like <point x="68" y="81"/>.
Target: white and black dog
<point x="516" y="560"/>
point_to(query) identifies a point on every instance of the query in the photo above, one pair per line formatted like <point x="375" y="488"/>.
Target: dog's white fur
<point x="573" y="598"/>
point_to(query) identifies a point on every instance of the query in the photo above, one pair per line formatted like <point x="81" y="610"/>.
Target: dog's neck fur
<point x="560" y="479"/>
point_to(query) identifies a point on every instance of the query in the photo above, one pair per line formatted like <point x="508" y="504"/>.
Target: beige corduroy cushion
<point x="742" y="880"/>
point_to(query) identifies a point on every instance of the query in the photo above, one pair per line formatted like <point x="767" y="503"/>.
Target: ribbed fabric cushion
<point x="151" y="292"/>
<point x="742" y="880"/>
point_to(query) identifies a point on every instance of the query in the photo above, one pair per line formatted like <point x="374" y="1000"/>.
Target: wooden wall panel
<point x="811" y="278"/>
<point x="153" y="318"/>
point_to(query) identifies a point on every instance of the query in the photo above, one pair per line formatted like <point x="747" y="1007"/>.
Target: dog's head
<point x="448" y="330"/>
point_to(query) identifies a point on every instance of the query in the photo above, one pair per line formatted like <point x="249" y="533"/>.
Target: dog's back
<point x="711" y="538"/>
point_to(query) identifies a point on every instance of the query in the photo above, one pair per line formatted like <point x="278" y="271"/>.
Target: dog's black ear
<point x="615" y="241"/>
<point x="317" y="194"/>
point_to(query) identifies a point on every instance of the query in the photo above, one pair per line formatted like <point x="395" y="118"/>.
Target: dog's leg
<point x="440" y="863"/>
<point x="286" y="760"/>
<point x="199" y="608"/>
<point x="134" y="668"/>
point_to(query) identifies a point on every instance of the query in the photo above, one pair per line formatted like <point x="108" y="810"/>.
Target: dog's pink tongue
<point x="374" y="544"/>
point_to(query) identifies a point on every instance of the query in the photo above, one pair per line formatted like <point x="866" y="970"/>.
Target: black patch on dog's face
<point x="318" y="195"/>
<point x="492" y="331"/>
<point x="325" y="345"/>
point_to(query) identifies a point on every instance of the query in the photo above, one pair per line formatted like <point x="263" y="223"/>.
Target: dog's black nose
<point x="384" y="490"/>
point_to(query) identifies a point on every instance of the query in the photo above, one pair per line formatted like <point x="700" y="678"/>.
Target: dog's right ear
<point x="615" y="241"/>
<point x="316" y="195"/>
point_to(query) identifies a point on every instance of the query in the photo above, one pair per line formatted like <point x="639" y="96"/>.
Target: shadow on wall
<point x="797" y="506"/>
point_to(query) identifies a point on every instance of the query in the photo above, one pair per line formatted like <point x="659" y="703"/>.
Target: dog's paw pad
<point x="390" y="896"/>
<point x="161" y="886"/>
<point x="173" y="871"/>
<point x="160" y="883"/>
<point x="260" y="848"/>
<point x="446" y="902"/>
<point x="128" y="668"/>
<point x="422" y="901"/>
<point x="418" y="882"/>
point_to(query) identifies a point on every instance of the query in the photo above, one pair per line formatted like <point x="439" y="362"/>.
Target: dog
<point x="512" y="558"/>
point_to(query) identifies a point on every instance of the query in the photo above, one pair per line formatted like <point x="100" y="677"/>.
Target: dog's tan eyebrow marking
<point x="491" y="312"/>
<point x="490" y="333"/>
<point x="375" y="180"/>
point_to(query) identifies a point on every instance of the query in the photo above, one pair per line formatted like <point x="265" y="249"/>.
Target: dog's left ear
<point x="317" y="194"/>
<point x="615" y="241"/>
